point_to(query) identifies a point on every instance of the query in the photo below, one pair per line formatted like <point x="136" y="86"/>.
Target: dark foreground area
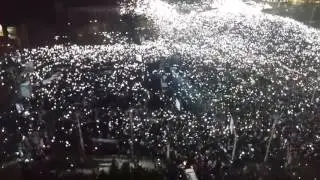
<point x="170" y="171"/>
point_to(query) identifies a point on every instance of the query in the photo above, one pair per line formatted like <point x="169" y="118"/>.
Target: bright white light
<point x="1" y="31"/>
<point x="238" y="6"/>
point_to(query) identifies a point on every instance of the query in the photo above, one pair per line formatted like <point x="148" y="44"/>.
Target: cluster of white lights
<point x="226" y="61"/>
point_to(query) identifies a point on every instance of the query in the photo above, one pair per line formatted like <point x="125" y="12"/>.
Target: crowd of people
<point x="227" y="89"/>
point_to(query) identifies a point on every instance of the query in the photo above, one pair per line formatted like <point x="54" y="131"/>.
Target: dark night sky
<point x="16" y="11"/>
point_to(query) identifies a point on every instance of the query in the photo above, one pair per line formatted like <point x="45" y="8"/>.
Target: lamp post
<point x="82" y="150"/>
